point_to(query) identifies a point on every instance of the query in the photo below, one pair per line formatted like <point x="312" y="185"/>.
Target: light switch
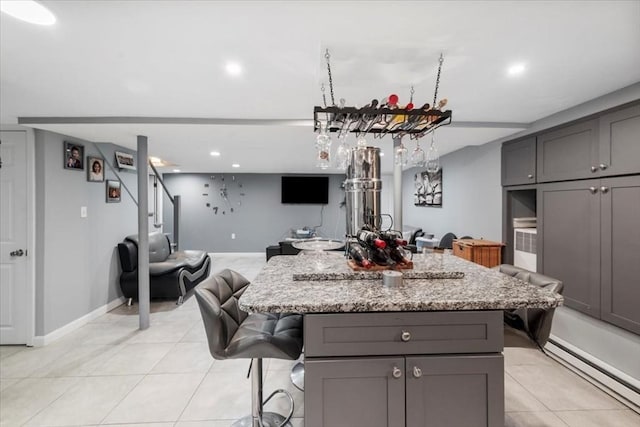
<point x="83" y="211"/>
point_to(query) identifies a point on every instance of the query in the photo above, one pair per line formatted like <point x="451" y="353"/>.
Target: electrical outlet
<point x="83" y="211"/>
<point x="233" y="235"/>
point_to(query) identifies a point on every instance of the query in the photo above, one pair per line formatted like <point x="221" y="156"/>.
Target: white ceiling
<point x="167" y="58"/>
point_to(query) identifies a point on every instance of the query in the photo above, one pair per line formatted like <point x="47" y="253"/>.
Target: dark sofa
<point x="172" y="275"/>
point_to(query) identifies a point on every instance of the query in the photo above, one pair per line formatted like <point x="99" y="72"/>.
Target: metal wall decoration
<point x="226" y="193"/>
<point x="428" y="187"/>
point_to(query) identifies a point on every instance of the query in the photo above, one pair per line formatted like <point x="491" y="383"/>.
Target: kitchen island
<point x="425" y="353"/>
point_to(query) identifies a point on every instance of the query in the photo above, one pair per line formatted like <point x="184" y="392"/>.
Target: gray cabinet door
<point x="519" y="162"/>
<point x="569" y="240"/>
<point x="620" y="142"/>
<point x="620" y="198"/>
<point x="455" y="391"/>
<point x="354" y="392"/>
<point x="568" y="153"/>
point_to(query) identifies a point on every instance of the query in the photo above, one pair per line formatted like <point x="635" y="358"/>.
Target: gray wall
<point x="77" y="267"/>
<point x="471" y="195"/>
<point x="258" y="221"/>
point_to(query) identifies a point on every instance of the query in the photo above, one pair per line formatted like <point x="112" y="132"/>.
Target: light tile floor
<point x="110" y="373"/>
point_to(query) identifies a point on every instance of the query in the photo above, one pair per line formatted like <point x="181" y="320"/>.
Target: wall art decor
<point x="428" y="188"/>
<point x="125" y="160"/>
<point x="73" y="156"/>
<point x="113" y="191"/>
<point x="95" y="169"/>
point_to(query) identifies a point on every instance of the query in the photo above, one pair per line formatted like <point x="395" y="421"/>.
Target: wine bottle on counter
<point x="371" y="239"/>
<point x="359" y="255"/>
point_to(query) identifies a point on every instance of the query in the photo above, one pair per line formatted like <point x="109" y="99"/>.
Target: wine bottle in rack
<point x="371" y="239"/>
<point x="397" y="255"/>
<point x="359" y="255"/>
<point x="381" y="257"/>
<point x="393" y="239"/>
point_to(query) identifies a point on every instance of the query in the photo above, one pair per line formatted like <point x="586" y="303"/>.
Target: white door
<point x="13" y="237"/>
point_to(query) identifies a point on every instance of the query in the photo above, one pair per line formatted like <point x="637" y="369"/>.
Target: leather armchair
<point x="536" y="322"/>
<point x="171" y="275"/>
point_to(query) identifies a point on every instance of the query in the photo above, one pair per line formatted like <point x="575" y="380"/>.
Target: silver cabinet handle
<point x="397" y="373"/>
<point x="604" y="189"/>
<point x="406" y="336"/>
<point x="602" y="166"/>
<point x="530" y="176"/>
<point x="594" y="169"/>
<point x="417" y="372"/>
<point x="593" y="190"/>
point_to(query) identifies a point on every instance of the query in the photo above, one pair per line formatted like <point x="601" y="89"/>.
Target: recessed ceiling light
<point x="176" y="170"/>
<point x="233" y="68"/>
<point x="235" y="165"/>
<point x="516" y="69"/>
<point x="215" y="153"/>
<point x="28" y="11"/>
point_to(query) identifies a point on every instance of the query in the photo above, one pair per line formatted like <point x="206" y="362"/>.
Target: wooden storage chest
<point x="483" y="252"/>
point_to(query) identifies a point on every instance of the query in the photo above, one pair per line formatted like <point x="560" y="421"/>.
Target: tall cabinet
<point x="587" y="204"/>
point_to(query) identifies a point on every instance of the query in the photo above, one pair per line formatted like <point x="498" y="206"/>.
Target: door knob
<point x="397" y="373"/>
<point x="593" y="190"/>
<point x="604" y="189"/>
<point x="602" y="166"/>
<point x="530" y="176"/>
<point x="19" y="252"/>
<point x="594" y="169"/>
<point x="417" y="372"/>
<point x="406" y="336"/>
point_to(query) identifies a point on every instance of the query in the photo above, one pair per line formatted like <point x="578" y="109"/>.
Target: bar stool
<point x="234" y="334"/>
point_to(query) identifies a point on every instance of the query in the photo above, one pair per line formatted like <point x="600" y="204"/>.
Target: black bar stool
<point x="234" y="334"/>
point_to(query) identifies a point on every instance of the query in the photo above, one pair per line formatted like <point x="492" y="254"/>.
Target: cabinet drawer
<point x="393" y="333"/>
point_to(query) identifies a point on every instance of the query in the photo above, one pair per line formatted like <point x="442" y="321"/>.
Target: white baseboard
<point x="40" y="341"/>
<point x="611" y="381"/>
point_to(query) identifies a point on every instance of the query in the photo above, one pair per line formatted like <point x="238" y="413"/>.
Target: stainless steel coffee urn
<point x="363" y="187"/>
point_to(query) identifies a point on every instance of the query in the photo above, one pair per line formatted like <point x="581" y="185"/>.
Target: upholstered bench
<point x="171" y="275"/>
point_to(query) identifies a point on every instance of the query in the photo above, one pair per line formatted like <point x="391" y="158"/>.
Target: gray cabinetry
<point x="354" y="392"/>
<point x="519" y="162"/>
<point x="620" y="142"/>
<point x="458" y="380"/>
<point x="410" y="369"/>
<point x="568" y="153"/>
<point x="569" y="236"/>
<point x="620" y="208"/>
<point x="590" y="237"/>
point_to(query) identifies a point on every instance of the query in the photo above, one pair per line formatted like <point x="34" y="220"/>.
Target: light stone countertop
<point x="480" y="288"/>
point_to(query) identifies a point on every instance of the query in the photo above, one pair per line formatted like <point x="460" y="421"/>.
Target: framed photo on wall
<point x="113" y="191"/>
<point x="125" y="160"/>
<point x="428" y="187"/>
<point x="73" y="156"/>
<point x="95" y="169"/>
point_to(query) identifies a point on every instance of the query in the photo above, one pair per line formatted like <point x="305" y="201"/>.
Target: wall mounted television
<point x="305" y="190"/>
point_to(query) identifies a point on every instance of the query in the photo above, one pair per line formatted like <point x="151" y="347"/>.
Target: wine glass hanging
<point x="379" y="119"/>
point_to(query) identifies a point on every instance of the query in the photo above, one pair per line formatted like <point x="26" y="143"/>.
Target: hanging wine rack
<point x="380" y="121"/>
<point x="388" y="118"/>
